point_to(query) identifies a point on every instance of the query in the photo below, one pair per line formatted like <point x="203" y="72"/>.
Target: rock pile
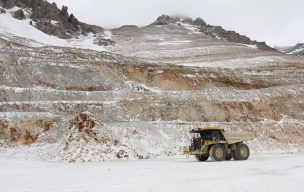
<point x="19" y="14"/>
<point x="87" y="142"/>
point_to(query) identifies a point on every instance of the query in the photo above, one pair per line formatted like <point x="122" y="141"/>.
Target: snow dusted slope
<point x="294" y="50"/>
<point x="22" y="32"/>
<point x="184" y="44"/>
<point x="153" y="84"/>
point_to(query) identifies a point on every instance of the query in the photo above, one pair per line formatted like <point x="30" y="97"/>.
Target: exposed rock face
<point x="165" y="20"/>
<point x="7" y="3"/>
<point x="232" y="36"/>
<point x="215" y="31"/>
<point x="49" y="28"/>
<point x="43" y="13"/>
<point x="25" y="131"/>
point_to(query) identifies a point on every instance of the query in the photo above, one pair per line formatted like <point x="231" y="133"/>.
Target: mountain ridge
<point x="215" y="31"/>
<point x="297" y="49"/>
<point x="48" y="18"/>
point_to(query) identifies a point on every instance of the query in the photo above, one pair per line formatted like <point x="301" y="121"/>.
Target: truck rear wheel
<point x="218" y="152"/>
<point x="242" y="152"/>
<point x="201" y="157"/>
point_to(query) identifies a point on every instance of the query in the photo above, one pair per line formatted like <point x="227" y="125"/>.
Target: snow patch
<point x="14" y="29"/>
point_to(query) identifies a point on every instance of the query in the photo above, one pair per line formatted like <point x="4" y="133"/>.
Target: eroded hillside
<point x="147" y="89"/>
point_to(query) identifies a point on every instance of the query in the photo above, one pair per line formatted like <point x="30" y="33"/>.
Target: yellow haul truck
<point x="214" y="142"/>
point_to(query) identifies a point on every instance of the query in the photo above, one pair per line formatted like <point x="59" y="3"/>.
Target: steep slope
<point x="21" y="32"/>
<point x="214" y="31"/>
<point x="184" y="44"/>
<point x="47" y="18"/>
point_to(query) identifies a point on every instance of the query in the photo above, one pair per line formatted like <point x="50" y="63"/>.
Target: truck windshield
<point x="211" y="134"/>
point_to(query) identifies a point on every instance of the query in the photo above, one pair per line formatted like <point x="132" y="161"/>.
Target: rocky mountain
<point x="48" y="18"/>
<point x="298" y="49"/>
<point x="145" y="88"/>
<point x="215" y="31"/>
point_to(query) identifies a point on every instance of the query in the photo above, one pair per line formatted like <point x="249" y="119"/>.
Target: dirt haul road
<point x="259" y="173"/>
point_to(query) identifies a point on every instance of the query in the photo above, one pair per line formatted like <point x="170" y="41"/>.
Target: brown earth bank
<point x="25" y="131"/>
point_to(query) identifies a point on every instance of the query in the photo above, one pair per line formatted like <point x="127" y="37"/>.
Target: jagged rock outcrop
<point x="232" y="36"/>
<point x="199" y="21"/>
<point x="44" y="14"/>
<point x="215" y="31"/>
<point x="165" y="20"/>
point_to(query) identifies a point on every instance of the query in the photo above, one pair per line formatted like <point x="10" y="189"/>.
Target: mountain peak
<point x="216" y="32"/>
<point x="166" y="20"/>
<point x="48" y="18"/>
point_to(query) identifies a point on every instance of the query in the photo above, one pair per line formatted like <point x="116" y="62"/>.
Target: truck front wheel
<point x="218" y="152"/>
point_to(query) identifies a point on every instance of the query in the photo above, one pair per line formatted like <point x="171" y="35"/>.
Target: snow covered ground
<point x="259" y="173"/>
<point x="22" y="32"/>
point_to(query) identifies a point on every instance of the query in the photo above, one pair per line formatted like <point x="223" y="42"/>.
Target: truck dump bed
<point x="232" y="138"/>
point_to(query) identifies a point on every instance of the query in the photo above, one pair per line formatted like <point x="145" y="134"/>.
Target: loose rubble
<point x="87" y="141"/>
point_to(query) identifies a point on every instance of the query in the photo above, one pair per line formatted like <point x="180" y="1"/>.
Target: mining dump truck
<point x="214" y="142"/>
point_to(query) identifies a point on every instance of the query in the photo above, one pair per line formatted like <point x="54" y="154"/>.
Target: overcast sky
<point x="278" y="22"/>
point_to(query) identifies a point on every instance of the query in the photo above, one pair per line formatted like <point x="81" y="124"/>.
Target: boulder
<point x="19" y="14"/>
<point x="49" y="28"/>
<point x="105" y="42"/>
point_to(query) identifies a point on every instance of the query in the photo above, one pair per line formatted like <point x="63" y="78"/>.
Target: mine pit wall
<point x="266" y="101"/>
<point x="166" y="137"/>
<point x="276" y="122"/>
<point x="166" y="108"/>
